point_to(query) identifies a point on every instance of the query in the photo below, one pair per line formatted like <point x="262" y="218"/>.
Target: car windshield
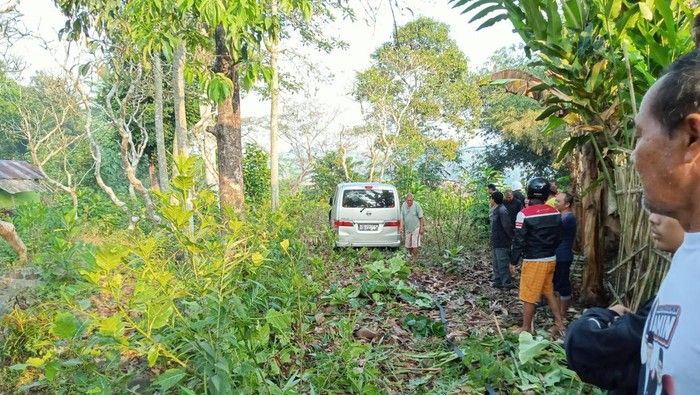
<point x="368" y="198"/>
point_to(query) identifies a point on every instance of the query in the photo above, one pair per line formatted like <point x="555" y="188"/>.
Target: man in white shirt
<point x="667" y="157"/>
<point x="413" y="224"/>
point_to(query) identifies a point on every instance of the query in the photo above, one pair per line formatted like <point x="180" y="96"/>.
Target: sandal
<point x="557" y="331"/>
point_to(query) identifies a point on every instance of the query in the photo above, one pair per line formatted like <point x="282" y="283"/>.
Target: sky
<point x="363" y="37"/>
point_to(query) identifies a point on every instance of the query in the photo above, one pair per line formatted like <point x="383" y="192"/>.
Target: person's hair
<point x="409" y="195"/>
<point x="678" y="94"/>
<point x="491" y="186"/>
<point x="497" y="197"/>
<point x="568" y="198"/>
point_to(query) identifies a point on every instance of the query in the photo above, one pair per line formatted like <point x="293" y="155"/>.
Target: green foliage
<point x="588" y="53"/>
<point x="256" y="174"/>
<point x="457" y="216"/>
<point x="423" y="326"/>
<point x="328" y="172"/>
<point x="383" y="281"/>
<point x="418" y="94"/>
<point x="183" y="298"/>
<point x="12" y="147"/>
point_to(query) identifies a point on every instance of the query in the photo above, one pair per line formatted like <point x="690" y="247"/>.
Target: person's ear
<point x="691" y="126"/>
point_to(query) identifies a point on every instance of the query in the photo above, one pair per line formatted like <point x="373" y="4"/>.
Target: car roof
<point x="346" y="185"/>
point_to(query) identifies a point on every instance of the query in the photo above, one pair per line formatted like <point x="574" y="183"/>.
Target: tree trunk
<point x="153" y="178"/>
<point x="180" y="146"/>
<point x="96" y="150"/>
<point x="344" y="160"/>
<point x="134" y="182"/>
<point x="207" y="142"/>
<point x="8" y="232"/>
<point x="163" y="179"/>
<point x="593" y="222"/>
<point x="228" y="131"/>
<point x="274" y="113"/>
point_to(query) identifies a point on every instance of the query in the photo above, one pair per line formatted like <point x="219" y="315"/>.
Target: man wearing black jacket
<point x="602" y="347"/>
<point x="501" y="236"/>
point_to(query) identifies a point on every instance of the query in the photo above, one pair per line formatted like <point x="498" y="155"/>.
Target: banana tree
<point x="599" y="55"/>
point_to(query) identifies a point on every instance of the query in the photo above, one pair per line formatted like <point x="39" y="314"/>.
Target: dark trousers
<point x="501" y="260"/>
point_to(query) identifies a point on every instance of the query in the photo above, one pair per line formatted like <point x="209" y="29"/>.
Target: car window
<point x="369" y="198"/>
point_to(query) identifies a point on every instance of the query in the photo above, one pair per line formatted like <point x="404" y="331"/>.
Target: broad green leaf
<point x="485" y="11"/>
<point x="152" y="355"/>
<point x="645" y="11"/>
<point x="592" y="81"/>
<point x="65" y="325"/>
<point x="112" y="326"/>
<point x="553" y="124"/>
<point x="554" y="26"/>
<point x="109" y="257"/>
<point x="262" y="336"/>
<point x="186" y="391"/>
<point x="51" y="369"/>
<point x="530" y="347"/>
<point x="568" y="146"/>
<point x="281" y="321"/>
<point x="169" y="379"/>
<point x="573" y="14"/>
<point x="492" y="21"/>
<point x="666" y="12"/>
<point x="219" y="88"/>
<point x="613" y="8"/>
<point x="176" y="214"/>
<point x="157" y="314"/>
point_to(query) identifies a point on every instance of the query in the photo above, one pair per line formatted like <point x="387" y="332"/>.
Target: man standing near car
<point x="412" y="225"/>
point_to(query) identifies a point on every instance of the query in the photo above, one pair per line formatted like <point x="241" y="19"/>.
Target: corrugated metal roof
<point x="17" y="186"/>
<point x="18" y="170"/>
<point x="17" y="176"/>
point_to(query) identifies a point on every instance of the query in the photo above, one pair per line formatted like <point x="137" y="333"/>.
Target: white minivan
<point x="366" y="215"/>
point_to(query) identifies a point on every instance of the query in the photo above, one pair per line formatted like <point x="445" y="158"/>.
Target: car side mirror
<point x="330" y="201"/>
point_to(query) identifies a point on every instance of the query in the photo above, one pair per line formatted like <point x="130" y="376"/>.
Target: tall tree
<point x="180" y="146"/>
<point x="273" y="47"/>
<point x="419" y="93"/>
<point x="49" y="119"/>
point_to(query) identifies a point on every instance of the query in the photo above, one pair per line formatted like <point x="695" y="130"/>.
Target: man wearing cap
<point x="537" y="235"/>
<point x="667" y="158"/>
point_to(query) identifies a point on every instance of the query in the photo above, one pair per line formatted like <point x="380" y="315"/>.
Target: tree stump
<point x="8" y="232"/>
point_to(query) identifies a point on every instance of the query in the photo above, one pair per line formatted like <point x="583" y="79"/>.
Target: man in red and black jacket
<point x="537" y="234"/>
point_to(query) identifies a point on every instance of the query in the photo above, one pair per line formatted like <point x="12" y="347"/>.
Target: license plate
<point x="368" y="227"/>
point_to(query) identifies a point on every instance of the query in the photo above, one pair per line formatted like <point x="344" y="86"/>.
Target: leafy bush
<point x="218" y="308"/>
<point x="455" y="216"/>
<point x="256" y="173"/>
